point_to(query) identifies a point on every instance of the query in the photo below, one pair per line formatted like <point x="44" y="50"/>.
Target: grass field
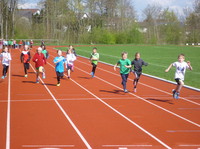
<point x="158" y="57"/>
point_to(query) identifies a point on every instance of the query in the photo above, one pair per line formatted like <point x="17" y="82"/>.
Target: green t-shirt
<point x="45" y="53"/>
<point x="123" y="69"/>
<point x="96" y="56"/>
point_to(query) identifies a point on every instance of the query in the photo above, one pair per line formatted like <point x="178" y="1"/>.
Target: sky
<point x="139" y="5"/>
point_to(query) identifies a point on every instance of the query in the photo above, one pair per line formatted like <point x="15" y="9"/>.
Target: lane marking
<point x="151" y="135"/>
<point x="68" y="99"/>
<point x="144" y="100"/>
<point x="8" y="109"/>
<point x="47" y="146"/>
<point x="173" y="131"/>
<point x="127" y="145"/>
<point x="65" y="114"/>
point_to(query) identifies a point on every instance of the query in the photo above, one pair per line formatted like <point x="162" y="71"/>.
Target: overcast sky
<point x="176" y="5"/>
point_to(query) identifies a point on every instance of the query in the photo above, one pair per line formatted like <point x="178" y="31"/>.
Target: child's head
<point x="124" y="55"/>
<point x="181" y="58"/>
<point x="26" y="47"/>
<point x="137" y="55"/>
<point x="69" y="51"/>
<point x="70" y="47"/>
<point x="6" y="49"/>
<point x="39" y="50"/>
<point x="94" y="50"/>
<point x="59" y="52"/>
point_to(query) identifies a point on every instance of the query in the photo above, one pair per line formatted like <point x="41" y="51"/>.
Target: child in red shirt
<point x="39" y="60"/>
<point x="25" y="59"/>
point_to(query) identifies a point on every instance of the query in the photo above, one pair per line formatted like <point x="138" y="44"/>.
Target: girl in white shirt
<point x="70" y="58"/>
<point x="5" y="59"/>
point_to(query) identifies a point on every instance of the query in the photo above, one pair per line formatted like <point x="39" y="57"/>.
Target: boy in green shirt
<point x="125" y="65"/>
<point x="94" y="60"/>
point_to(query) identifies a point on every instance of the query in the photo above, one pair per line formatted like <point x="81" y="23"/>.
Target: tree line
<point x="101" y="21"/>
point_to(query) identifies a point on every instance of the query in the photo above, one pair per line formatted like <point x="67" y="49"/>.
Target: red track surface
<point x="87" y="112"/>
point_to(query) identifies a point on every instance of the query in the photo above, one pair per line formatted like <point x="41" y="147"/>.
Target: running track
<point x="87" y="112"/>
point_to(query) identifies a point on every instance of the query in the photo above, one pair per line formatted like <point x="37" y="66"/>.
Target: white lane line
<point x="145" y="100"/>
<point x="143" y="84"/>
<point x="127" y="145"/>
<point x="68" y="99"/>
<point x="190" y="145"/>
<point x="47" y="146"/>
<point x="65" y="114"/>
<point x="8" y="110"/>
<point x="173" y="131"/>
<point x="138" y="126"/>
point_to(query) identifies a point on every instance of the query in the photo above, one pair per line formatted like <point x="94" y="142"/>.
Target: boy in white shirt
<point x="181" y="67"/>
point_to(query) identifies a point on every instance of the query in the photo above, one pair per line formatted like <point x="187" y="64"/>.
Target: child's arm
<point x="129" y="66"/>
<point x="115" y="66"/>
<point x="189" y="64"/>
<point x="21" y="57"/>
<point x="170" y="66"/>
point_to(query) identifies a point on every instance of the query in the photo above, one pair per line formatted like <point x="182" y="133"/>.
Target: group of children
<point x="124" y="63"/>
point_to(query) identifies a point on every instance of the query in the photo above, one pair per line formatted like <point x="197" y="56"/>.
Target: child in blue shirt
<point x="59" y="68"/>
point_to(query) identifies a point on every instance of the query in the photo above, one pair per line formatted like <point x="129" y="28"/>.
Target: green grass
<point x="158" y="57"/>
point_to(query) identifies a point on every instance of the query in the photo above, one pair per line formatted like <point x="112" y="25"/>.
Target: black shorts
<point x="69" y="67"/>
<point x="137" y="74"/>
<point x="59" y="74"/>
<point x="26" y="65"/>
<point x="178" y="81"/>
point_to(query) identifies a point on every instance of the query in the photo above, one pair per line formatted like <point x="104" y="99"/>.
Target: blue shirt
<point x="60" y="65"/>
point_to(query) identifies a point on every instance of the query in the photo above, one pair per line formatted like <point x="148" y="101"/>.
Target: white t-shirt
<point x="70" y="58"/>
<point x="180" y="69"/>
<point x="6" y="58"/>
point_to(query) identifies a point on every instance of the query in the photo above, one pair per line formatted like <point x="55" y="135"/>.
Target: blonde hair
<point x="124" y="53"/>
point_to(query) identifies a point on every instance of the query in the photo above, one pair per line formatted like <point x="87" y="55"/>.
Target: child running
<point x="5" y="59"/>
<point x="125" y="65"/>
<point x="45" y="52"/>
<point x="39" y="60"/>
<point x="59" y="61"/>
<point x="25" y="59"/>
<point x="70" y="58"/>
<point x="181" y="67"/>
<point x="94" y="58"/>
<point x="137" y="63"/>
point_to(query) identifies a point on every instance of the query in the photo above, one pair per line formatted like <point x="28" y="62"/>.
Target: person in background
<point x="70" y="58"/>
<point x="94" y="58"/>
<point x="5" y="59"/>
<point x="25" y="59"/>
<point x="45" y="52"/>
<point x="59" y="68"/>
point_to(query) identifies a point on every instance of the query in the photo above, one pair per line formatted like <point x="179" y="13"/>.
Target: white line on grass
<point x="145" y="100"/>
<point x="132" y="122"/>
<point x="8" y="111"/>
<point x="65" y="114"/>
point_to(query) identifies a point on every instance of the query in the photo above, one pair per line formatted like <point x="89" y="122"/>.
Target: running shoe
<point x="134" y="90"/>
<point x="92" y="74"/>
<point x="37" y="80"/>
<point x="58" y="84"/>
<point x="174" y="93"/>
<point x="43" y="76"/>
<point x="25" y="75"/>
<point x="3" y="77"/>
<point x="125" y="91"/>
